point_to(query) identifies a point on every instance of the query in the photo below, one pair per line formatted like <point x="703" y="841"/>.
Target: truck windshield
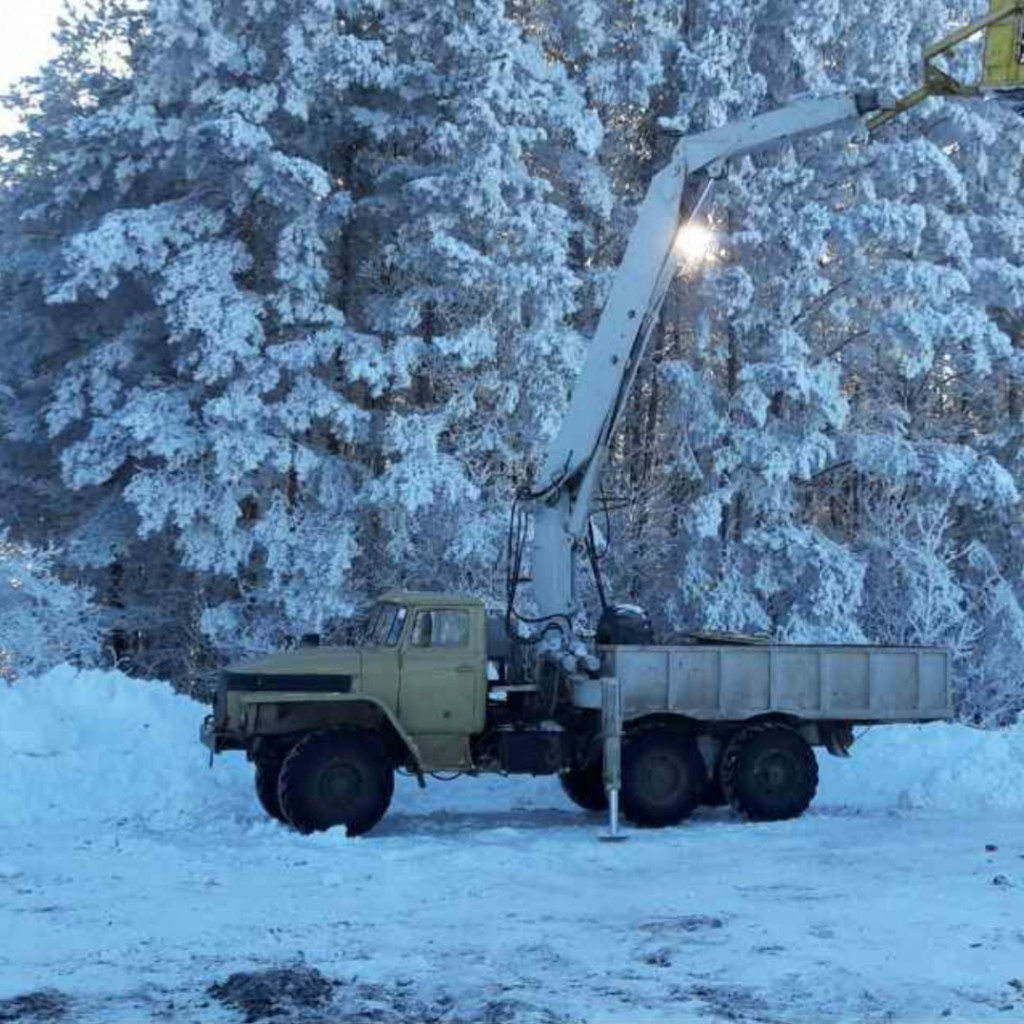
<point x="386" y="625"/>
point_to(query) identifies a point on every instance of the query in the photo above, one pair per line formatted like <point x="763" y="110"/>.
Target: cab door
<point x="442" y="690"/>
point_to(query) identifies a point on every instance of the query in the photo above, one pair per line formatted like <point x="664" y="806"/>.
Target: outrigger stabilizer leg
<point x="611" y="728"/>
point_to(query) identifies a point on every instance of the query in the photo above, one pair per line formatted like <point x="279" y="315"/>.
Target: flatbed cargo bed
<point x="734" y="681"/>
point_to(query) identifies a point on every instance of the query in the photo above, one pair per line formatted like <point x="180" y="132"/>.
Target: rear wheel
<point x="769" y="772"/>
<point x="585" y="786"/>
<point x="663" y="777"/>
<point x="336" y="778"/>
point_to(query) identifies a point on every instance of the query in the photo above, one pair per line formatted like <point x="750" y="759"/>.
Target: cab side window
<point x="396" y="627"/>
<point x="387" y="624"/>
<point x="447" y="628"/>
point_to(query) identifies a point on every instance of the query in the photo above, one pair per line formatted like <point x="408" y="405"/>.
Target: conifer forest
<point x="294" y="292"/>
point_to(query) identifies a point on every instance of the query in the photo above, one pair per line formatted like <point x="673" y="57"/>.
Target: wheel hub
<point x="662" y="779"/>
<point x="339" y="784"/>
<point x="774" y="771"/>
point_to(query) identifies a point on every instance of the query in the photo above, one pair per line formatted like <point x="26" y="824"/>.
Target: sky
<point x="25" y="40"/>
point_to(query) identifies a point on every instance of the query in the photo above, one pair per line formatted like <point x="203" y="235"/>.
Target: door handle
<point x="465" y="668"/>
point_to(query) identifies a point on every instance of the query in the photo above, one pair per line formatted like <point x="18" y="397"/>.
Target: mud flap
<point x="838" y="740"/>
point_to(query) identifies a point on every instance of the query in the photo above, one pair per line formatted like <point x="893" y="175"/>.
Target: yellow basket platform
<point x="1003" y="67"/>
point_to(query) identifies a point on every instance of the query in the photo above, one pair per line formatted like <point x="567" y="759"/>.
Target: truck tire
<point x="268" y="771"/>
<point x="585" y="786"/>
<point x="663" y="777"/>
<point x="769" y="772"/>
<point x="335" y="777"/>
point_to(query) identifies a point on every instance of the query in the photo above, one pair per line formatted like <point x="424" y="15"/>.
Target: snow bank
<point x="937" y="766"/>
<point x="100" y="746"/>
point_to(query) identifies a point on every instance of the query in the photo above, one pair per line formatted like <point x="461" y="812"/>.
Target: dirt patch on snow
<point x="34" y="1007"/>
<point x="277" y="992"/>
<point x="303" y="995"/>
<point x="688" y="923"/>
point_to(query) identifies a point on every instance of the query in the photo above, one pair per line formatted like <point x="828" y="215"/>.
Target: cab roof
<point x="418" y="598"/>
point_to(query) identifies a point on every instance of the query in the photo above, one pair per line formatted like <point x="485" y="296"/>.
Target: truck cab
<point x="425" y="657"/>
<point x="421" y="666"/>
<point x="415" y="694"/>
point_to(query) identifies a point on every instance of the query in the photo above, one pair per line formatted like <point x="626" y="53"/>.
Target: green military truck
<point x="438" y="686"/>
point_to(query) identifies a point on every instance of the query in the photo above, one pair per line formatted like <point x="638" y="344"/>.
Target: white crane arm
<point x="575" y="457"/>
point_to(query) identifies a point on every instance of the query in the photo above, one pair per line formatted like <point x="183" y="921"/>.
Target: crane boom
<point x="575" y="457"/>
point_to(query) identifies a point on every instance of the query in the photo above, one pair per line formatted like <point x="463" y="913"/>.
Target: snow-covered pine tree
<point x="97" y="44"/>
<point x="193" y="340"/>
<point x="304" y="286"/>
<point x="43" y="621"/>
<point x="924" y="258"/>
<point x="459" y="252"/>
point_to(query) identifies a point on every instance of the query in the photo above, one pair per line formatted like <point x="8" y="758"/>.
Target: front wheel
<point x="268" y="772"/>
<point x="769" y="772"/>
<point x="663" y="778"/>
<point x="336" y="778"/>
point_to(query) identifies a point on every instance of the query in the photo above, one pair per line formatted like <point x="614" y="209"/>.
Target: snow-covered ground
<point x="133" y="878"/>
